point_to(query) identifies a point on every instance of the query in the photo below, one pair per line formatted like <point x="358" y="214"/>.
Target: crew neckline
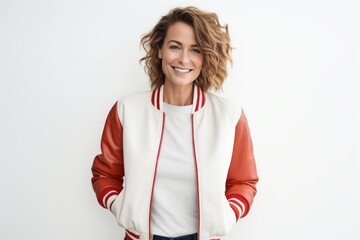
<point x="178" y="109"/>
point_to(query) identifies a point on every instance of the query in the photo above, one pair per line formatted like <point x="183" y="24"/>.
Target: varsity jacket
<point x="124" y="174"/>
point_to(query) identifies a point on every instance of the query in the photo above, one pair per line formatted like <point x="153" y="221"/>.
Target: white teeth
<point x="182" y="70"/>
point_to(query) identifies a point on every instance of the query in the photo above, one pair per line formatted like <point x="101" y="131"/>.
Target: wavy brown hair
<point x="212" y="38"/>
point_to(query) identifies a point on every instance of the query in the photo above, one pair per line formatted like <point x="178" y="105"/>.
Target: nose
<point x="184" y="57"/>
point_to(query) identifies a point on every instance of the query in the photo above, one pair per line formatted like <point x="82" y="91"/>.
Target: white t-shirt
<point x="174" y="204"/>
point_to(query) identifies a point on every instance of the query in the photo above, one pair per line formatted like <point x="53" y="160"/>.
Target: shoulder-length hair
<point x="212" y="38"/>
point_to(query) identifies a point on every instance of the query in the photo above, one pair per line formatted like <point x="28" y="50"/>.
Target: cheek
<point x="165" y="67"/>
<point x="199" y="62"/>
<point x="199" y="66"/>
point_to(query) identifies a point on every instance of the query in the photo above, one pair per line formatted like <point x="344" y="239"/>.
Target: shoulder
<point x="225" y="105"/>
<point x="140" y="97"/>
<point x="132" y="102"/>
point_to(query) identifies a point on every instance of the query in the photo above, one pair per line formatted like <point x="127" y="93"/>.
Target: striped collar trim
<point x="157" y="97"/>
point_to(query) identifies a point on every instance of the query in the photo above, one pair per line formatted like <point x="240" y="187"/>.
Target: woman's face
<point x="181" y="56"/>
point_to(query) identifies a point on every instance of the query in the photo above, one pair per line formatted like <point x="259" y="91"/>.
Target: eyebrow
<point x="177" y="42"/>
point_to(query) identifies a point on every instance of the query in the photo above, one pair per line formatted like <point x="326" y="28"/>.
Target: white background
<point x="63" y="64"/>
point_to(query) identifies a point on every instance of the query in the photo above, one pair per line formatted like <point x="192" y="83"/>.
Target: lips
<point x="182" y="70"/>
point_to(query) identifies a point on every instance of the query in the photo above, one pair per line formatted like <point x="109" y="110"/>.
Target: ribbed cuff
<point x="238" y="204"/>
<point x="106" y="194"/>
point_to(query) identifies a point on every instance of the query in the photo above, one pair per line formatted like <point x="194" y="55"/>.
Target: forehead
<point x="181" y="32"/>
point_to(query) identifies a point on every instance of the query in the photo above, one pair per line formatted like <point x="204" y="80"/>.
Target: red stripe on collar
<point x="153" y="97"/>
<point x="203" y="98"/>
<point x="197" y="99"/>
<point x="158" y="98"/>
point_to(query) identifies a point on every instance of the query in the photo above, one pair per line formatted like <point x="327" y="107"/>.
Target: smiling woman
<point x="181" y="63"/>
<point x="194" y="175"/>
<point x="211" y="38"/>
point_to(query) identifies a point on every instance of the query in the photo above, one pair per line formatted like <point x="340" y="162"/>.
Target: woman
<point x="177" y="162"/>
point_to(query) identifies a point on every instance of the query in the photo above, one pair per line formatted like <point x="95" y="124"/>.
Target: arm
<point x="108" y="167"/>
<point x="242" y="176"/>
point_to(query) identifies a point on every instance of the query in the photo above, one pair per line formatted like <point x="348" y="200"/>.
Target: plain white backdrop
<point x="63" y="64"/>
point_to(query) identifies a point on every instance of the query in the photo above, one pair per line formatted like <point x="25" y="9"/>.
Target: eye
<point x="196" y="51"/>
<point x="174" y="47"/>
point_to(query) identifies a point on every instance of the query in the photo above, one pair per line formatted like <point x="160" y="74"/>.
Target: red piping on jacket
<point x="156" y="164"/>
<point x="197" y="172"/>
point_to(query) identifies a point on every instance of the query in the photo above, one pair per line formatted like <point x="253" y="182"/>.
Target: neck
<point x="178" y="95"/>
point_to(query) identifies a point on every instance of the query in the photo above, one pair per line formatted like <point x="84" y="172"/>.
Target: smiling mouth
<point x="182" y="70"/>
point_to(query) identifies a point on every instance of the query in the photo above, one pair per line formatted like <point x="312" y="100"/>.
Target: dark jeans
<point x="186" y="237"/>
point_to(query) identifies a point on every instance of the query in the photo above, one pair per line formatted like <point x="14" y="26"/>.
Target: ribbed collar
<point x="157" y="97"/>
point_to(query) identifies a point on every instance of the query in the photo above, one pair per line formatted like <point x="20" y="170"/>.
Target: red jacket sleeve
<point x="108" y="167"/>
<point x="242" y="176"/>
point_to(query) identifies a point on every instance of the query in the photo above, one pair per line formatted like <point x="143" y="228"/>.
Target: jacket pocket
<point x="229" y="215"/>
<point x="116" y="206"/>
<point x="225" y="221"/>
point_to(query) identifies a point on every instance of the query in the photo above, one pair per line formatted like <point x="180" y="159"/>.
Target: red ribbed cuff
<point x="105" y="194"/>
<point x="239" y="204"/>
